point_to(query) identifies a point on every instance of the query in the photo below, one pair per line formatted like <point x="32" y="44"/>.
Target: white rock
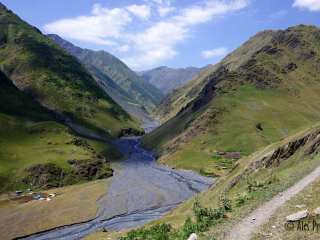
<point x="193" y="236"/>
<point x="273" y="226"/>
<point x="300" y="206"/>
<point x="297" y="216"/>
<point x="317" y="211"/>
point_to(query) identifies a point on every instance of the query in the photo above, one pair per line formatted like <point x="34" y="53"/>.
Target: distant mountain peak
<point x="167" y="79"/>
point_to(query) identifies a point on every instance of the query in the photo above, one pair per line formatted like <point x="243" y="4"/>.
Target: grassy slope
<point x="180" y="97"/>
<point x="136" y="88"/>
<point x="228" y="122"/>
<point x="54" y="78"/>
<point x="72" y="204"/>
<point x="273" y="180"/>
<point x="115" y="76"/>
<point x="267" y="183"/>
<point x="25" y="143"/>
<point x="29" y="135"/>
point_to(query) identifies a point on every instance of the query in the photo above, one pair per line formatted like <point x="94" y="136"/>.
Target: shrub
<point x="241" y="199"/>
<point x="205" y="218"/>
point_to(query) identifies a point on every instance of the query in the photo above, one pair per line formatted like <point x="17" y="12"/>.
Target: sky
<point x="175" y="33"/>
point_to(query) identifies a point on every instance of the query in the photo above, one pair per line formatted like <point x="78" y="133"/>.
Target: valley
<point x="140" y="191"/>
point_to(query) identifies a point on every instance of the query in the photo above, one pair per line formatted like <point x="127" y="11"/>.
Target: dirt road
<point x="249" y="225"/>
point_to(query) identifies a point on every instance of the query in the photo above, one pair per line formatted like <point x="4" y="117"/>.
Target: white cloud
<point x="123" y="48"/>
<point x="151" y="43"/>
<point x="158" y="42"/>
<point x="97" y="28"/>
<point x="311" y="5"/>
<point x="216" y="52"/>
<point x="140" y="11"/>
<point x="164" y="7"/>
<point x="165" y="10"/>
<point x="203" y="13"/>
<point x="150" y="58"/>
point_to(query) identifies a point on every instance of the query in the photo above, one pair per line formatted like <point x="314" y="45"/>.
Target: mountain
<point x="167" y="79"/>
<point x="127" y="88"/>
<point x="43" y="89"/>
<point x="37" y="66"/>
<point x="262" y="92"/>
<point x="36" y="150"/>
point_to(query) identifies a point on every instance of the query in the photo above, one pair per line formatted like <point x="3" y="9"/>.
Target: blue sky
<point x="175" y="33"/>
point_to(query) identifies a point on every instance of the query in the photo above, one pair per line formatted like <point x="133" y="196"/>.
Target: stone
<point x="193" y="236"/>
<point x="297" y="216"/>
<point x="316" y="211"/>
<point x="300" y="206"/>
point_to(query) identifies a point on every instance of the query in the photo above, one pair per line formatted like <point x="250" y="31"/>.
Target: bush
<point x="241" y="199"/>
<point x="205" y="218"/>
<point x="226" y="203"/>
<point x="254" y="185"/>
<point x="157" y="232"/>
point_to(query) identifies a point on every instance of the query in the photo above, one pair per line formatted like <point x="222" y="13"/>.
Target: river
<point x="141" y="191"/>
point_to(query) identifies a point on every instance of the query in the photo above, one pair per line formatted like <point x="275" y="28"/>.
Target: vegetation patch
<point x="204" y="219"/>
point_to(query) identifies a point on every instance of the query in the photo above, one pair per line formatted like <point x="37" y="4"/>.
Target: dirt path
<point x="250" y="224"/>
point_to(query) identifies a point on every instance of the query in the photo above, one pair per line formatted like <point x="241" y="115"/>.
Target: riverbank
<point x="141" y="191"/>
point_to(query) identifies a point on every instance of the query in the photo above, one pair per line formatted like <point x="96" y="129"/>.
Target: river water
<point x="141" y="191"/>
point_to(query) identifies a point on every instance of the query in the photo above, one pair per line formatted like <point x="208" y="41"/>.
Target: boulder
<point x="317" y="211"/>
<point x="193" y="236"/>
<point x="297" y="216"/>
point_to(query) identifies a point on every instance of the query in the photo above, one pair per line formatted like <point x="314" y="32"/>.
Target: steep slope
<point x="54" y="78"/>
<point x="120" y="82"/>
<point x="167" y="79"/>
<point x="180" y="97"/>
<point x="252" y="189"/>
<point x="36" y="150"/>
<point x="257" y="95"/>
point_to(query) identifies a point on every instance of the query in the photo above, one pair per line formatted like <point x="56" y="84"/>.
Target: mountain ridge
<point x="46" y="98"/>
<point x="115" y="77"/>
<point x="167" y="79"/>
<point x="263" y="91"/>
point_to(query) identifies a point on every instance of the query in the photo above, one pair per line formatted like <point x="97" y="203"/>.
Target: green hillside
<point x="30" y="138"/>
<point x="252" y="181"/>
<point x="261" y="93"/>
<point x="128" y="89"/>
<point x="57" y="80"/>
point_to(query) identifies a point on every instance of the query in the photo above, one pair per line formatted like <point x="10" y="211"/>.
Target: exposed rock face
<point x="309" y="143"/>
<point x="91" y="169"/>
<point x="284" y="152"/>
<point x="297" y="216"/>
<point x="50" y="175"/>
<point x="129" y="132"/>
<point x="44" y="175"/>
